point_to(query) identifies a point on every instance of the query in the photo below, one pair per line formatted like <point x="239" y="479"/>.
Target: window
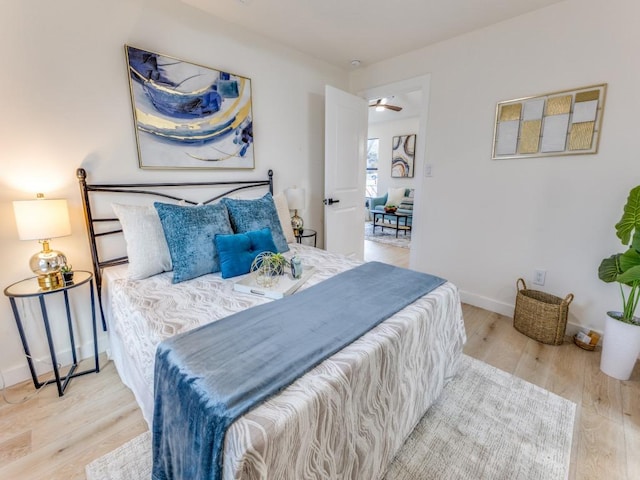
<point x="372" y="167"/>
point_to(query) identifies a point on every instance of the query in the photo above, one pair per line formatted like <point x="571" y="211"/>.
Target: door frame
<point x="422" y="83"/>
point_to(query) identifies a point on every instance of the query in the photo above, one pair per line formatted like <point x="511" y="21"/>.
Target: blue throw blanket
<point x="206" y="378"/>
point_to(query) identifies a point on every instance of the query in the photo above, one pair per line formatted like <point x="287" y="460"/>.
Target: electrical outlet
<point x="539" y="276"/>
<point x="428" y="170"/>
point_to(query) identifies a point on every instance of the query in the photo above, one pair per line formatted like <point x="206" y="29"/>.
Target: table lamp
<point x="43" y="220"/>
<point x="296" y="200"/>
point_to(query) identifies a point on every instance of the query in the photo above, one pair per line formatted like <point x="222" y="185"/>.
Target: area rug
<point x="388" y="236"/>
<point x="487" y="424"/>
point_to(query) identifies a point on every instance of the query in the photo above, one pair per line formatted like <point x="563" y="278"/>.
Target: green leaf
<point x="630" y="220"/>
<point x="635" y="243"/>
<point x="630" y="276"/>
<point x="609" y="268"/>
<point x="628" y="259"/>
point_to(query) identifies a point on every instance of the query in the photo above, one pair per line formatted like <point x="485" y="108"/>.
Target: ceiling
<point x="340" y="31"/>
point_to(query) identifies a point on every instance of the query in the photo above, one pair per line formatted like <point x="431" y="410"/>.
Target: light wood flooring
<point x="53" y="438"/>
<point x="374" y="251"/>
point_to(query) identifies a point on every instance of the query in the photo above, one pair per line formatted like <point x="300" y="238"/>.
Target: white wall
<point x="385" y="131"/>
<point x="65" y="104"/>
<point x="484" y="223"/>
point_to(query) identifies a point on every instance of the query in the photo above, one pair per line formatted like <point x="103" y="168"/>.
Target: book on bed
<point x="286" y="285"/>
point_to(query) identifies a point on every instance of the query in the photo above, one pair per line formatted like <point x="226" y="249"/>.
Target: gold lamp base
<point x="50" y="281"/>
<point x="46" y="265"/>
<point x="297" y="223"/>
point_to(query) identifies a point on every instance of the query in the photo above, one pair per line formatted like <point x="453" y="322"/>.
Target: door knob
<point x="330" y="201"/>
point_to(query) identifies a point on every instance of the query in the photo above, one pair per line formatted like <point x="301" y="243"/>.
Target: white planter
<point x="620" y="348"/>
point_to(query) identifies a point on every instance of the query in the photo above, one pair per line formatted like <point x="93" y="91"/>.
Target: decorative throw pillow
<point x="249" y="215"/>
<point x="147" y="247"/>
<point x="394" y="196"/>
<point x="238" y="251"/>
<point x="407" y="203"/>
<point x="190" y="233"/>
<point x="282" y="207"/>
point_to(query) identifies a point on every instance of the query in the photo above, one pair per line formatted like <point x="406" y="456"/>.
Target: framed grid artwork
<point x="568" y="122"/>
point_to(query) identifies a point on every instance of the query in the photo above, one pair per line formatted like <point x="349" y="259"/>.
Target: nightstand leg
<point x="70" y="324"/>
<point x="54" y="360"/>
<point x="25" y="345"/>
<point x="95" y="328"/>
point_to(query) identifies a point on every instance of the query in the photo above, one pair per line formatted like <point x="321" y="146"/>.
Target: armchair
<point x="375" y="201"/>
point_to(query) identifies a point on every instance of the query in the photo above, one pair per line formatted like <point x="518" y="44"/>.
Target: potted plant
<point x="67" y="273"/>
<point x="621" y="341"/>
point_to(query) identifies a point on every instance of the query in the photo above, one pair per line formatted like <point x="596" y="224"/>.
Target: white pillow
<point x="395" y="196"/>
<point x="147" y="247"/>
<point x="282" y="207"/>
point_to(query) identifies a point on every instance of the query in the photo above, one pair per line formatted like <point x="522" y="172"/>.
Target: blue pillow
<point x="250" y="215"/>
<point x="238" y="251"/>
<point x="190" y="233"/>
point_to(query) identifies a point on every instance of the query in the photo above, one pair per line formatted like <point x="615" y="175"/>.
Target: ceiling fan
<point x="381" y="104"/>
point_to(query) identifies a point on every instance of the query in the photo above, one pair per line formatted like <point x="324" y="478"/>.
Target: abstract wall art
<point x="403" y="150"/>
<point x="187" y="115"/>
<point x="560" y="123"/>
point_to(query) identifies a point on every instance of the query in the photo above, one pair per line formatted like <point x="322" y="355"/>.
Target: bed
<point x="345" y="418"/>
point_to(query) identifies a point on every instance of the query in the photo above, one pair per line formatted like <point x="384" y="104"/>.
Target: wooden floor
<point x="53" y="438"/>
<point x="374" y="251"/>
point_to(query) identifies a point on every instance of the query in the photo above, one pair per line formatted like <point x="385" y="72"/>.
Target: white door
<point x="344" y="166"/>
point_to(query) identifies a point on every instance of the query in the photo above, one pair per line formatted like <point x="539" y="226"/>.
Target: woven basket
<point x="540" y="315"/>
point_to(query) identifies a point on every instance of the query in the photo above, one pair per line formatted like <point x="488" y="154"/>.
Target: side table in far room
<point x="307" y="233"/>
<point x="29" y="289"/>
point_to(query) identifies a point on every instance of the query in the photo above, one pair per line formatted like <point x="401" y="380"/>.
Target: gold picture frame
<point x="566" y="122"/>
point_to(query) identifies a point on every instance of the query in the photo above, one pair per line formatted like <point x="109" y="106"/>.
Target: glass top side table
<point x="29" y="288"/>
<point x="307" y="233"/>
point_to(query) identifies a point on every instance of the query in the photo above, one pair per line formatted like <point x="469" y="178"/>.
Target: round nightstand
<point x="29" y="288"/>
<point x="308" y="233"/>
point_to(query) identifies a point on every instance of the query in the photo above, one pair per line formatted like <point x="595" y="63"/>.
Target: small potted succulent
<point x="67" y="273"/>
<point x="390" y="208"/>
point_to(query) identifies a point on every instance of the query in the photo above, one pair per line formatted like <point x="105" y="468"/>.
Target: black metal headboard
<point x="150" y="189"/>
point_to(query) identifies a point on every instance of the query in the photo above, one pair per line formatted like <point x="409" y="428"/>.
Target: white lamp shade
<point x="42" y="219"/>
<point x="295" y="198"/>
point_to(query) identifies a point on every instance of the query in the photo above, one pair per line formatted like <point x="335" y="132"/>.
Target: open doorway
<point x="391" y="183"/>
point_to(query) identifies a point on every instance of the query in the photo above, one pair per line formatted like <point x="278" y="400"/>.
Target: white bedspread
<point x="344" y="419"/>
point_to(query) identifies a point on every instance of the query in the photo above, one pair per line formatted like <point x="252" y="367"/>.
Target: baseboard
<point x="507" y="309"/>
<point x="487" y="303"/>
<point x="43" y="364"/>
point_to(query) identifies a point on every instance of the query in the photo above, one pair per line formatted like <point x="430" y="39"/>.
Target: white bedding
<point x="346" y="418"/>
